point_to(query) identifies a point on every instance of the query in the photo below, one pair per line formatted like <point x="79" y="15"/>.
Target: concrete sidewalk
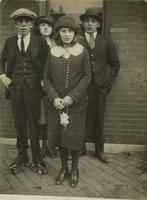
<point x="121" y="178"/>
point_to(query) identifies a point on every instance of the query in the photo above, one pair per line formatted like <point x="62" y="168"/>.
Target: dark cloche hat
<point x="23" y="12"/>
<point x="91" y="12"/>
<point x="47" y="19"/>
<point x="66" y="21"/>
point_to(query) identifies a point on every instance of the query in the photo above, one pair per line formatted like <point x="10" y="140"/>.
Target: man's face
<point x="90" y="25"/>
<point x="23" y="25"/>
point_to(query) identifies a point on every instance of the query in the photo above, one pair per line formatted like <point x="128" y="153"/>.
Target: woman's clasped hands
<point x="60" y="103"/>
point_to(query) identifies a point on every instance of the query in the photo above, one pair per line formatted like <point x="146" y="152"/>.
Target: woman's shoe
<point x="61" y="176"/>
<point x="74" y="179"/>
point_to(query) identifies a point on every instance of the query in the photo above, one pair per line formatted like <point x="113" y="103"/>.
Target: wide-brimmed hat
<point x="23" y="12"/>
<point x="66" y="21"/>
<point x="46" y="19"/>
<point x="91" y="12"/>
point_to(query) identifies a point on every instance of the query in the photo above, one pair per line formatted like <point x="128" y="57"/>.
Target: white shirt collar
<point x="59" y="51"/>
<point x="26" y="36"/>
<point x="26" y="41"/>
<point x="87" y="35"/>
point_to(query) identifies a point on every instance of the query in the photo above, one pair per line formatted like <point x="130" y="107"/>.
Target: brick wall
<point x="126" y="112"/>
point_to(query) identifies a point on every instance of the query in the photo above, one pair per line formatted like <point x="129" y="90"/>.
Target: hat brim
<point x="45" y="21"/>
<point x="75" y="29"/>
<point x="83" y="16"/>
<point x="23" y="15"/>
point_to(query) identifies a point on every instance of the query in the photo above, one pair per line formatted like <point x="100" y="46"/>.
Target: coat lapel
<point x="33" y="47"/>
<point x="13" y="45"/>
<point x="86" y="44"/>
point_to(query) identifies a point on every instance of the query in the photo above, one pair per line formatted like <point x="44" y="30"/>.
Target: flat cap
<point x="23" y="12"/>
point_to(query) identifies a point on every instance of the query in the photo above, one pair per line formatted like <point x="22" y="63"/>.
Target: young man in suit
<point x="104" y="69"/>
<point x="22" y="61"/>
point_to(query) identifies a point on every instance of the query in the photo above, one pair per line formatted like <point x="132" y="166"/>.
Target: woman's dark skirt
<point x="73" y="136"/>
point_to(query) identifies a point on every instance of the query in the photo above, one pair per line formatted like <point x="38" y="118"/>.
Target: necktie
<point x="22" y="45"/>
<point x="91" y="41"/>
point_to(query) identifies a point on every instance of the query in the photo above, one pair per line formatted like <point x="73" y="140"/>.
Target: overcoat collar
<point x="59" y="51"/>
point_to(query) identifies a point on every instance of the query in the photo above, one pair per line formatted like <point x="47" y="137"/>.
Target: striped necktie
<point x="91" y="41"/>
<point x="22" y="45"/>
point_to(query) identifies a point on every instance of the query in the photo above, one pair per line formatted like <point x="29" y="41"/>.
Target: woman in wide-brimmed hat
<point x="66" y="77"/>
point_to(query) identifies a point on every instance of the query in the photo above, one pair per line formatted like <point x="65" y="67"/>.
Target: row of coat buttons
<point x="24" y="68"/>
<point x="92" y="62"/>
<point x="67" y="73"/>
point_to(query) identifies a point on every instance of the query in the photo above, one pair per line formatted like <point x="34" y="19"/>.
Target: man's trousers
<point x="95" y="117"/>
<point x="26" y="110"/>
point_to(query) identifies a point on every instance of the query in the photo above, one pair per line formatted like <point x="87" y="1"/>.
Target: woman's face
<point x="66" y="35"/>
<point x="45" y="29"/>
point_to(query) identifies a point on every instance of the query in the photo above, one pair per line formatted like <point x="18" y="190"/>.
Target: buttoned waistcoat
<point x="39" y="51"/>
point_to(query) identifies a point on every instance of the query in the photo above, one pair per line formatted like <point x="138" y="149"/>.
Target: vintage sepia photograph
<point x="73" y="99"/>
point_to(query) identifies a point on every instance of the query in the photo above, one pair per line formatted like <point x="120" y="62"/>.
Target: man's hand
<point x="58" y="103"/>
<point x="67" y="101"/>
<point x="5" y="80"/>
<point x="42" y="84"/>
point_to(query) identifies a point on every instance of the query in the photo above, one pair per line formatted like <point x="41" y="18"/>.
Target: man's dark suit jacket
<point x="39" y="52"/>
<point x="104" y="60"/>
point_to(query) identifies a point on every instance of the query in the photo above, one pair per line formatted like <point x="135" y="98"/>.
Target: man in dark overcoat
<point x="22" y="61"/>
<point x="104" y="69"/>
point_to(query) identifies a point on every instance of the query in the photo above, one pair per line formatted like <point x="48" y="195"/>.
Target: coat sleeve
<point x="113" y="61"/>
<point x="43" y="51"/>
<point x="4" y="58"/>
<point x="50" y="91"/>
<point x="77" y="92"/>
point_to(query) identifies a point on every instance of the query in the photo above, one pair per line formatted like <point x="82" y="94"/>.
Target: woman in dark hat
<point x="66" y="77"/>
<point x="44" y="27"/>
